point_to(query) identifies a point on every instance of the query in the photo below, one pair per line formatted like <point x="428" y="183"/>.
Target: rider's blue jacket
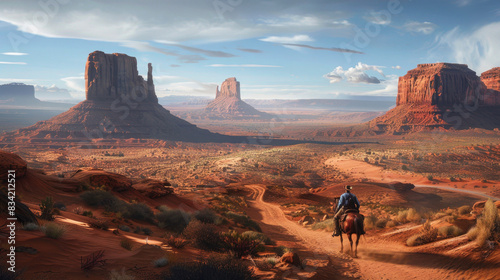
<point x="344" y="198"/>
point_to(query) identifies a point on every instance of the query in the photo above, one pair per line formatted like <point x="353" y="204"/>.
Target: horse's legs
<point x="357" y="241"/>
<point x="341" y="243"/>
<point x="350" y="241"/>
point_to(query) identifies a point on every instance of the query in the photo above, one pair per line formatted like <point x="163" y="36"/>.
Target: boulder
<point x="306" y="220"/>
<point x="291" y="258"/>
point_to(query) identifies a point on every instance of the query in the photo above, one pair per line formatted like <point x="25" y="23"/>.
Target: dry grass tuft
<point x="427" y="234"/>
<point x="487" y="226"/>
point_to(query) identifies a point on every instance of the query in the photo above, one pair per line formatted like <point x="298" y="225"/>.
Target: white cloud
<point x="420" y="27"/>
<point x="378" y="18"/>
<point x="356" y="74"/>
<point x="13" y="63"/>
<point x="288" y="40"/>
<point x="478" y="49"/>
<point x="14" y="53"/>
<point x="8" y="81"/>
<point x="245" y="65"/>
<point x="396" y="67"/>
<point x="75" y="83"/>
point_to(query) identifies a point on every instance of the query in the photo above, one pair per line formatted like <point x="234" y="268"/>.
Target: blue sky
<point x="284" y="49"/>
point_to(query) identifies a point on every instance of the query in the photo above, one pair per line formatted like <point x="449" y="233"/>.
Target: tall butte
<point x="119" y="104"/>
<point x="228" y="104"/>
<point x="443" y="95"/>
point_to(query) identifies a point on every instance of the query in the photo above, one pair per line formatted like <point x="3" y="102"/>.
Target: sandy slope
<point x="377" y="259"/>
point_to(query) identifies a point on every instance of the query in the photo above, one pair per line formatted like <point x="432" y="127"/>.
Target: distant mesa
<point x="228" y="104"/>
<point x="119" y="104"/>
<point x="443" y="95"/>
<point x="18" y="94"/>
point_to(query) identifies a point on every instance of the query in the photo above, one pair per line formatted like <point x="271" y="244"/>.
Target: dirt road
<point x="376" y="260"/>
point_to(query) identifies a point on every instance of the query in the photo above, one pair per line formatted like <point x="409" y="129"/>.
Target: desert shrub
<point x="87" y="213"/>
<point x="244" y="221"/>
<point x="404" y="167"/>
<point x="439" y="215"/>
<point x="161" y="262"/>
<point x="53" y="230"/>
<point x="126" y="244"/>
<point x="206" y="216"/>
<point x="115" y="275"/>
<point x="176" y="242"/>
<point x="47" y="209"/>
<point x="138" y="211"/>
<point x="31" y="227"/>
<point x="211" y="269"/>
<point x="259" y="236"/>
<point x="281" y="250"/>
<point x="487" y="225"/>
<point x="326" y="225"/>
<point x="370" y="222"/>
<point x="464" y="210"/>
<point x="173" y="219"/>
<point x="430" y="178"/>
<point x="124" y="228"/>
<point x="241" y="246"/>
<point x="144" y="230"/>
<point x="104" y="199"/>
<point x="450" y="231"/>
<point x="99" y="224"/>
<point x="390" y="224"/>
<point x="427" y="234"/>
<point x="453" y="179"/>
<point x="272" y="260"/>
<point x="381" y="223"/>
<point x="410" y="215"/>
<point x="204" y="236"/>
<point x="59" y="205"/>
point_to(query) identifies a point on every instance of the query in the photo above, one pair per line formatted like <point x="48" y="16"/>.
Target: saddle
<point x="344" y="216"/>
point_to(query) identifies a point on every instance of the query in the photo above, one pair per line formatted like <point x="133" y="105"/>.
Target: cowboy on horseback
<point x="348" y="201"/>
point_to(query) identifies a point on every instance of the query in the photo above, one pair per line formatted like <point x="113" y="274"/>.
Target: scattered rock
<point x="306" y="220"/>
<point x="291" y="258"/>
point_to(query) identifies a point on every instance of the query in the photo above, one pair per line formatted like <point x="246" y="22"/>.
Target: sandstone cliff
<point x="491" y="80"/>
<point x="119" y="104"/>
<point x="228" y="104"/>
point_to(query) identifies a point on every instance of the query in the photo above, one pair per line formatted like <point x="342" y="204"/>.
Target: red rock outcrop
<point x="442" y="95"/>
<point x="228" y="104"/>
<point x="491" y="80"/>
<point x="119" y="104"/>
<point x="10" y="161"/>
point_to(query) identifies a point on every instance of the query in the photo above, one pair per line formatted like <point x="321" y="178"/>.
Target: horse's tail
<point x="358" y="225"/>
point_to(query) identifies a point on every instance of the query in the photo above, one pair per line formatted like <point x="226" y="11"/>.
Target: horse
<point x="352" y="224"/>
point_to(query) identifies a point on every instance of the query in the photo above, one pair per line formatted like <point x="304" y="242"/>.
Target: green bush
<point x="173" y="219"/>
<point x="53" y="230"/>
<point x="450" y="231"/>
<point x="161" y="262"/>
<point x="281" y="250"/>
<point x="126" y="243"/>
<point x="244" y="221"/>
<point x="487" y="225"/>
<point x="138" y="211"/>
<point x="204" y="236"/>
<point x="258" y="236"/>
<point x="241" y="246"/>
<point x="211" y="269"/>
<point x="104" y="199"/>
<point x="31" y="227"/>
<point x="87" y="213"/>
<point x="206" y="216"/>
<point x="47" y="209"/>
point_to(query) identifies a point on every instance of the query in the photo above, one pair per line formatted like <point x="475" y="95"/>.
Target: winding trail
<point x="377" y="260"/>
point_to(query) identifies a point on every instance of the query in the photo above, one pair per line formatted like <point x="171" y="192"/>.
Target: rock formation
<point x="228" y="104"/>
<point x="443" y="95"/>
<point x="119" y="104"/>
<point x="17" y="93"/>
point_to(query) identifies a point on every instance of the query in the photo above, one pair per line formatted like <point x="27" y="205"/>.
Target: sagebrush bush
<point x="138" y="211"/>
<point x="381" y="223"/>
<point x="205" y="236"/>
<point x="241" y="246"/>
<point x="53" y="230"/>
<point x="176" y="242"/>
<point x="450" y="231"/>
<point x="173" y="219"/>
<point x="206" y="216"/>
<point x="161" y="262"/>
<point x="487" y="225"/>
<point x="281" y="250"/>
<point x="104" y="199"/>
<point x="327" y="225"/>
<point x="31" y="227"/>
<point x="410" y="215"/>
<point x="126" y="244"/>
<point x="115" y="275"/>
<point x="211" y="269"/>
<point x="244" y="221"/>
<point x="427" y="234"/>
<point x="258" y="236"/>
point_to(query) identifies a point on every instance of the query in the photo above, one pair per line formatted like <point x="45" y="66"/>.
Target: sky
<point x="277" y="49"/>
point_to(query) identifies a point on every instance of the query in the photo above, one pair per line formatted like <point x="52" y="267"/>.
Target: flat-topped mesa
<point x="17" y="91"/>
<point x="229" y="88"/>
<point x="110" y="77"/>
<point x="439" y="84"/>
